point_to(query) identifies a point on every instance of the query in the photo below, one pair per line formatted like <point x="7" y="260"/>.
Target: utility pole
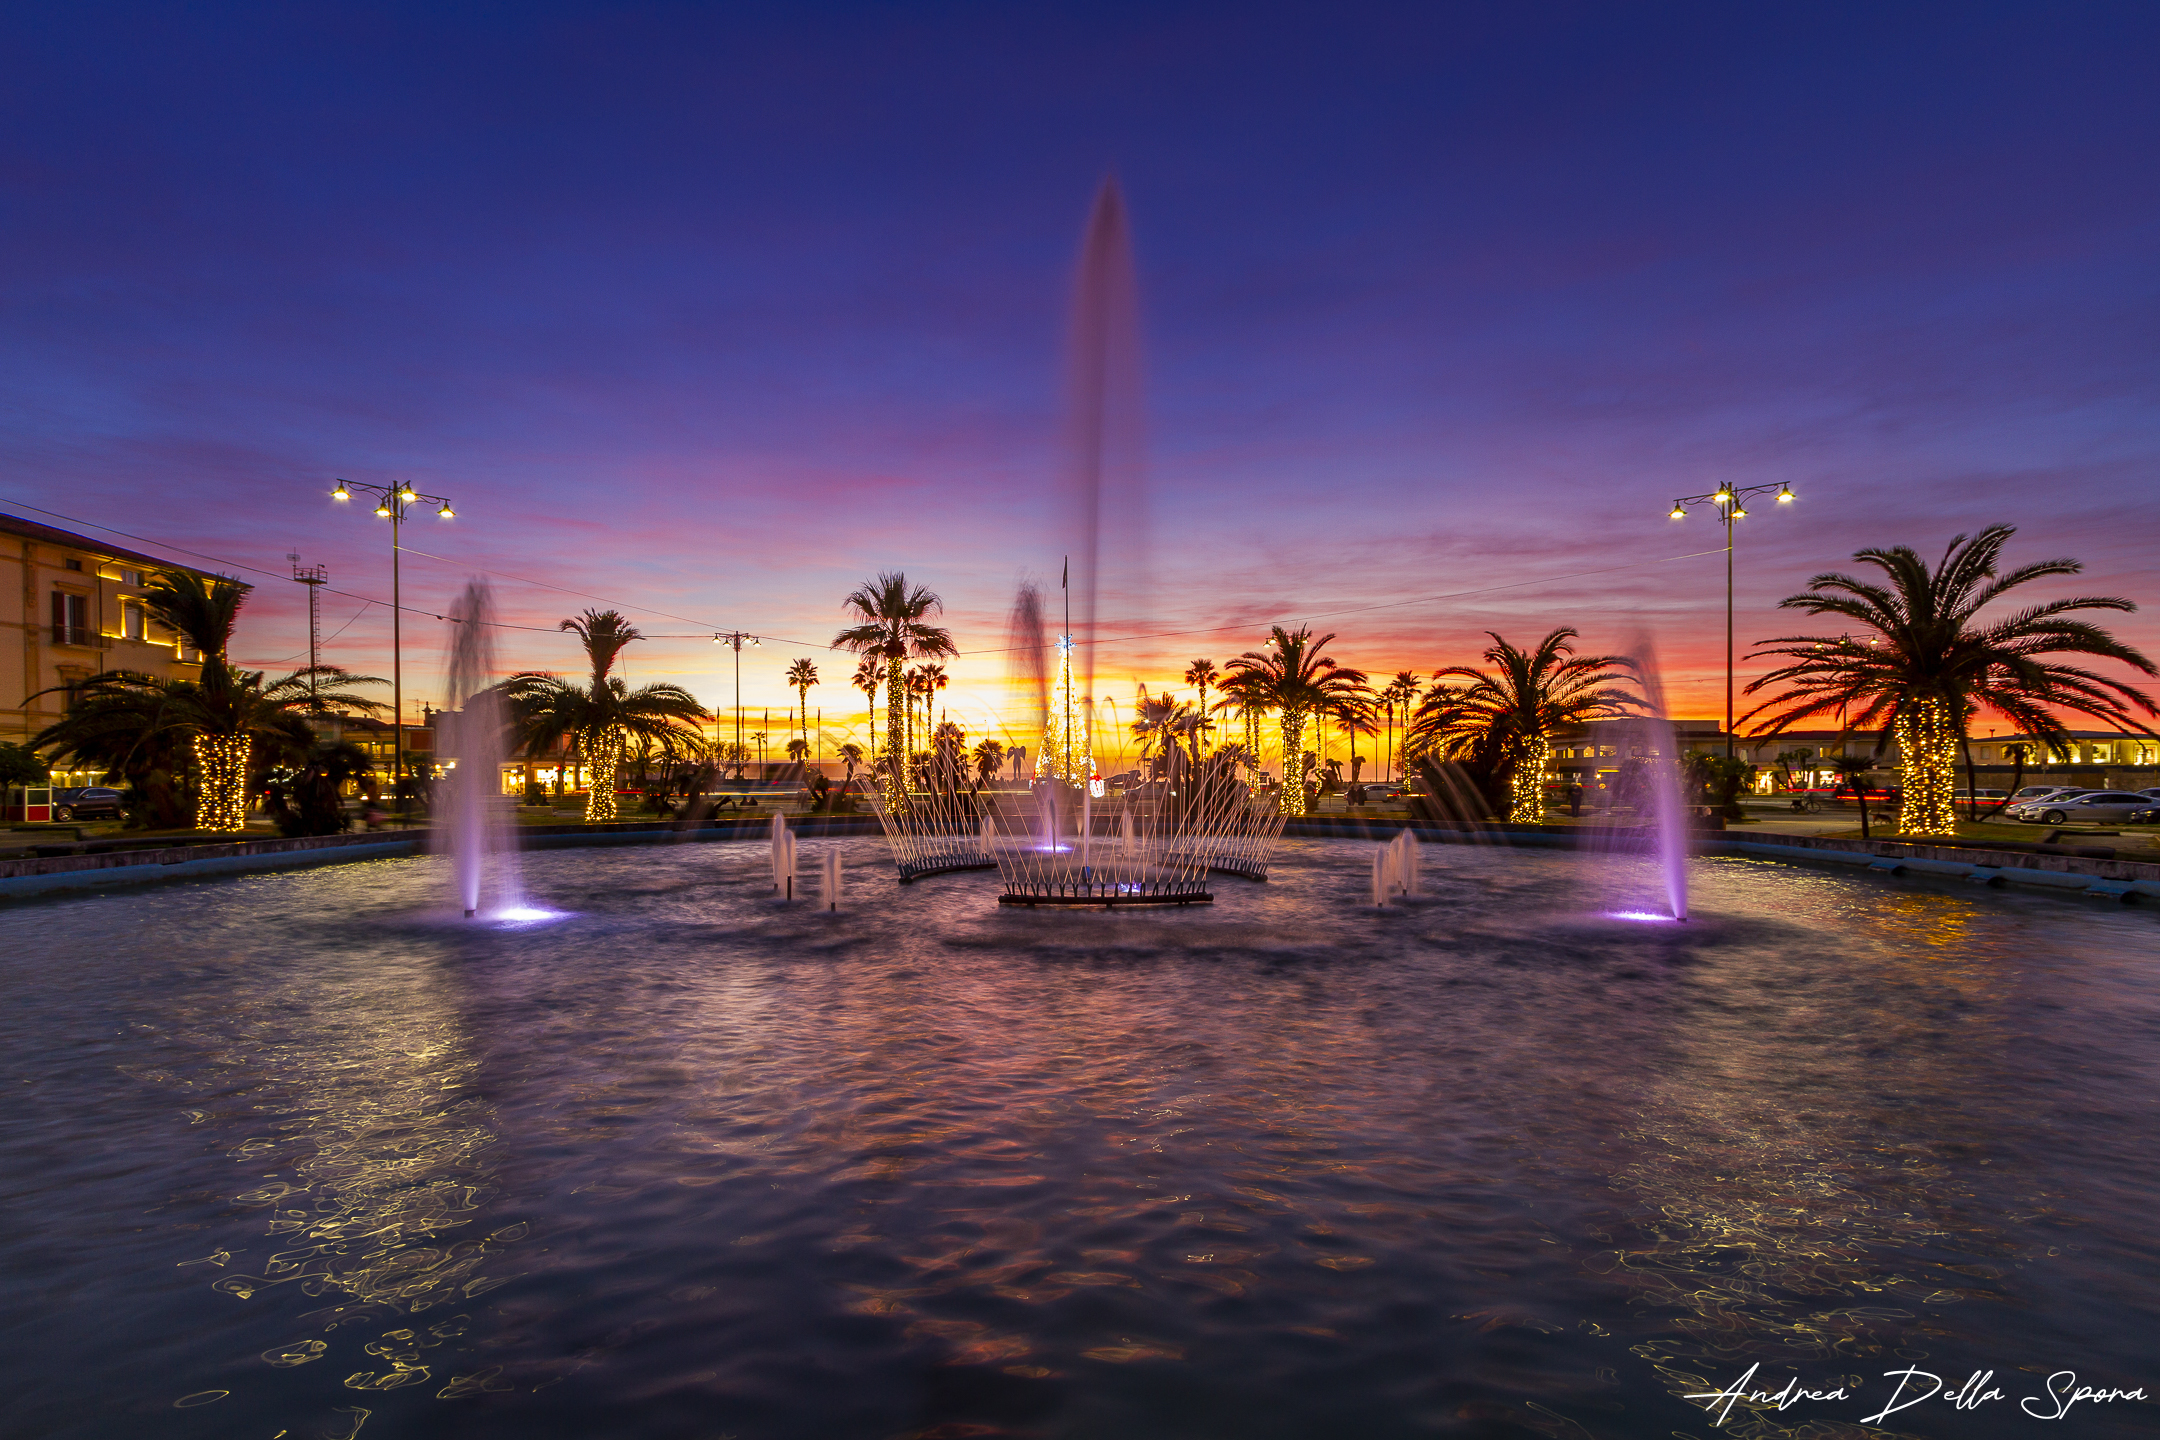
<point x="314" y="577"/>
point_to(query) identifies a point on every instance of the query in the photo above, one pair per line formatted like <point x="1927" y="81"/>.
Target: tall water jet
<point x="1647" y="791"/>
<point x="1103" y="444"/>
<point x="477" y="826"/>
<point x="1160" y="848"/>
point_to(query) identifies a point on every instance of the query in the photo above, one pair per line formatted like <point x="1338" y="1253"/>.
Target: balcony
<point x="81" y="637"/>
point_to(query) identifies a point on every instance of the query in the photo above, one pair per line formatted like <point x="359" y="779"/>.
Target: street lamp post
<point x="1731" y="503"/>
<point x="392" y="501"/>
<point x="734" y="639"/>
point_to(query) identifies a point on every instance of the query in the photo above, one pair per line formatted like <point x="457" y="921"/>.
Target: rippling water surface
<point x="305" y="1155"/>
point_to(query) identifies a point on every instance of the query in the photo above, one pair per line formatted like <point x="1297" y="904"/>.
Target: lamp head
<point x="1739" y="512"/>
<point x="383" y="509"/>
<point x="446" y="512"/>
<point x="407" y="494"/>
<point x="1679" y="512"/>
<point x="341" y="493"/>
<point x="1784" y="495"/>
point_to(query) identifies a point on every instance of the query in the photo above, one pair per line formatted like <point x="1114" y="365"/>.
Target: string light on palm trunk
<point x="1526" y="787"/>
<point x="606" y="756"/>
<point x="1927" y="757"/>
<point x="222" y="759"/>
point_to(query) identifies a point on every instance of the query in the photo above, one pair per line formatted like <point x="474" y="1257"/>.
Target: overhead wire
<point x="716" y="632"/>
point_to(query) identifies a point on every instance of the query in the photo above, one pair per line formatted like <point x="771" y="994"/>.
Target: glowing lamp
<point x="446" y="512"/>
<point x="1739" y="512"/>
<point x="341" y="493"/>
<point x="407" y="494"/>
<point x="1678" y="513"/>
<point x="383" y="509"/>
<point x="1784" y="495"/>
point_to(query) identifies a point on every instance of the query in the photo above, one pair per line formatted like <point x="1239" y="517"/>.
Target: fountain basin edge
<point x="2120" y="880"/>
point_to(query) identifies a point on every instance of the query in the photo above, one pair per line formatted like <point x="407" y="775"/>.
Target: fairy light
<point x="1057" y="743"/>
<point x="1297" y="761"/>
<point x="605" y="758"/>
<point x="222" y="759"/>
<point x="1526" y="787"/>
<point x="1927" y="757"/>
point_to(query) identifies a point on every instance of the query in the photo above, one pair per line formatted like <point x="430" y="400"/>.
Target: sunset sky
<point x="711" y="311"/>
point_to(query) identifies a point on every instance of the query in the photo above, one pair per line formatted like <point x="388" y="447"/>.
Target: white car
<point x="2090" y="805"/>
<point x="2034" y="794"/>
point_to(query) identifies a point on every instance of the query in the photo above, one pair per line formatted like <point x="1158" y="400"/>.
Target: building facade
<point x="71" y="608"/>
<point x="2101" y="759"/>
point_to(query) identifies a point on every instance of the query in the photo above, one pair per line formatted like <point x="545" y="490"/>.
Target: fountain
<point x="483" y="846"/>
<point x="1395" y="869"/>
<point x="1200" y="816"/>
<point x="1649" y="786"/>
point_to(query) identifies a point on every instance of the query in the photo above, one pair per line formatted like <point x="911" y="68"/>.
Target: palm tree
<point x="869" y="675"/>
<point x="934" y="679"/>
<point x="1852" y="771"/>
<point x="1247" y="695"/>
<point x="798" y="750"/>
<point x="802" y="674"/>
<point x="133" y="727"/>
<point x="989" y="758"/>
<point x="600" y="719"/>
<point x="1396" y="695"/>
<point x="1501" y="725"/>
<point x="1200" y="675"/>
<point x="223" y="713"/>
<point x="852" y="755"/>
<point x="1931" y="666"/>
<point x="1353" y="715"/>
<point x="1159" y="723"/>
<point x="891" y="626"/>
<point x="1295" y="679"/>
<point x="911" y="681"/>
<point x="202" y="610"/>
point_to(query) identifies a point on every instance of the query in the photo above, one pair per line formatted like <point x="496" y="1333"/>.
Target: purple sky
<point x="717" y="310"/>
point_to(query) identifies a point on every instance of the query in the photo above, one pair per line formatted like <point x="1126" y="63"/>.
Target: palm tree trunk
<point x="895" y="733"/>
<point x="2017" y="777"/>
<point x="606" y="753"/>
<point x="1526" y="786"/>
<point x="221" y="803"/>
<point x="1927" y="755"/>
<point x="1293" y="762"/>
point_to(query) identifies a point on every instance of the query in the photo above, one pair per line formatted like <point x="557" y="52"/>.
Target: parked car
<point x="88" y="802"/>
<point x="2032" y="793"/>
<point x="1383" y="791"/>
<point x="1983" y="795"/>
<point x="2091" y="805"/>
<point x="2148" y="816"/>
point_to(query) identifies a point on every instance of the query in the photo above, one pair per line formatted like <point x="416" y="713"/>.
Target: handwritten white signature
<point x="2061" y="1393"/>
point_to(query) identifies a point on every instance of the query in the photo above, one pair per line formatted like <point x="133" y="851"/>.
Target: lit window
<point x="131" y="621"/>
<point x="131" y="577"/>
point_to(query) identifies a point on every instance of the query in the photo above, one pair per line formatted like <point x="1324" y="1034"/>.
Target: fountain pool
<point x="308" y="1154"/>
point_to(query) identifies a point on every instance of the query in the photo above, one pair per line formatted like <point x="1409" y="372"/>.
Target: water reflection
<point x="687" y="1161"/>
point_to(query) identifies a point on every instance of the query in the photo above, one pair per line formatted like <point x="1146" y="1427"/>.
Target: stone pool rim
<point x="2109" y="879"/>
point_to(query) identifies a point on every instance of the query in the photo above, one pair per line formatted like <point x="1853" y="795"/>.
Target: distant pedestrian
<point x="1574" y="799"/>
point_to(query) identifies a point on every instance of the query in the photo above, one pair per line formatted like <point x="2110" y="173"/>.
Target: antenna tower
<point x="314" y="577"/>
